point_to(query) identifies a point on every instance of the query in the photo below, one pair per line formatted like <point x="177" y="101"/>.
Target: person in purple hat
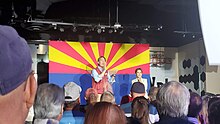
<point x="17" y="83"/>
<point x="137" y="90"/>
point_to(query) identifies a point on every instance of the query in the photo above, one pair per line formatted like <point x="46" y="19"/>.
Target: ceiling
<point x="167" y="23"/>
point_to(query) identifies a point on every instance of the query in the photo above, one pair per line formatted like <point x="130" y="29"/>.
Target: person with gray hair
<point x="48" y="106"/>
<point x="172" y="103"/>
<point x="107" y="97"/>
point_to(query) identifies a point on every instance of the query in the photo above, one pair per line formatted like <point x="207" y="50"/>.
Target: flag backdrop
<point x="73" y="61"/>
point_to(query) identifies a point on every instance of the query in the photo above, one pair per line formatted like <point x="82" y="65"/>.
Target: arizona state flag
<point x="73" y="61"/>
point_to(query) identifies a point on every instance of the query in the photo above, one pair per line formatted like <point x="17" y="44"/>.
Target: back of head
<point x="107" y="97"/>
<point x="49" y="101"/>
<point x="105" y="113"/>
<point x="15" y="60"/>
<point x="91" y="95"/>
<point x="153" y="93"/>
<point x="204" y="111"/>
<point x="72" y="91"/>
<point x="173" y="99"/>
<point x="140" y="109"/>
<point x="195" y="105"/>
<point x="137" y="89"/>
<point x="214" y="110"/>
<point x="17" y="83"/>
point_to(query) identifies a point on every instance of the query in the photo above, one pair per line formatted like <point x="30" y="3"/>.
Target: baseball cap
<point x="15" y="59"/>
<point x="138" y="87"/>
<point x="72" y="91"/>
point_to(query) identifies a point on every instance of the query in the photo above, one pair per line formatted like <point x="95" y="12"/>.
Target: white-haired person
<point x="48" y="106"/>
<point x="17" y="83"/>
<point x="172" y="103"/>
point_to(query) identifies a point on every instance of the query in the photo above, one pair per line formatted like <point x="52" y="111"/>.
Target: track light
<point x="61" y="29"/>
<point x="87" y="30"/>
<point x="99" y="31"/>
<point x="121" y="32"/>
<point x="110" y="31"/>
<point x="74" y="29"/>
<point x="117" y="25"/>
<point x="146" y="29"/>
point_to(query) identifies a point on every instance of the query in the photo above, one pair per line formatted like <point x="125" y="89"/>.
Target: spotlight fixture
<point x="87" y="30"/>
<point x="121" y="32"/>
<point x="55" y="26"/>
<point x="74" y="29"/>
<point x="184" y="35"/>
<point x="99" y="30"/>
<point x="193" y="36"/>
<point x="110" y="31"/>
<point x="117" y="25"/>
<point x="146" y="29"/>
<point x="61" y="29"/>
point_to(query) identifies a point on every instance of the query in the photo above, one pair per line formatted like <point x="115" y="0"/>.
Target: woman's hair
<point x="214" y="110"/>
<point x="203" y="115"/>
<point x="139" y="109"/>
<point x="153" y="93"/>
<point x="137" y="70"/>
<point x="105" y="113"/>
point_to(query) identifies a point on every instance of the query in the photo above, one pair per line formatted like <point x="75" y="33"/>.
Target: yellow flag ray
<point x="108" y="47"/>
<point x="62" y="58"/>
<point x="77" y="46"/>
<point x="123" y="49"/>
<point x="95" y="50"/>
<point x="140" y="59"/>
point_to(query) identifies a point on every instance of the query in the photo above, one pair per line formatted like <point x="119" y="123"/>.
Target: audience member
<point x="91" y="96"/>
<point x="48" y="106"/>
<point x="126" y="99"/>
<point x="203" y="115"/>
<point x="172" y="102"/>
<point x="107" y="97"/>
<point x="105" y="113"/>
<point x="72" y="112"/>
<point x="137" y="89"/>
<point x="17" y="83"/>
<point x="214" y="110"/>
<point x="153" y="114"/>
<point x="139" y="109"/>
<point x="195" y="106"/>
